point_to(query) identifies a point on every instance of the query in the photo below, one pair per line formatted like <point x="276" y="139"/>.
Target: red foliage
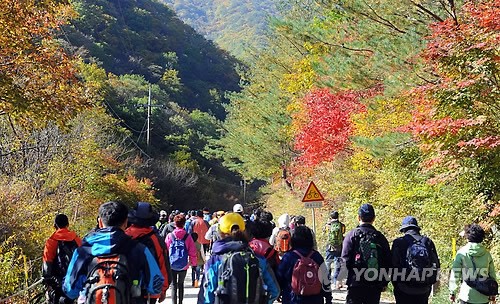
<point x="479" y="20"/>
<point x="455" y="116"/>
<point x="329" y="124"/>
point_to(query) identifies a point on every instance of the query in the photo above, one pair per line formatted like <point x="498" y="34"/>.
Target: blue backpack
<point x="178" y="253"/>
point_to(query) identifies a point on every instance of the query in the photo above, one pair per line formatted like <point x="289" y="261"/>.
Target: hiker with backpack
<point x="473" y="270"/>
<point x="57" y="254"/>
<point x="334" y="230"/>
<point x="200" y="258"/>
<point x="415" y="264"/>
<point x="281" y="236"/>
<point x="301" y="274"/>
<point x="200" y="226"/>
<point x="142" y="219"/>
<point x="261" y="231"/>
<point x="110" y="267"/>
<point x="367" y="256"/>
<point x="213" y="232"/>
<point x="234" y="273"/>
<point x="182" y="252"/>
<point x="300" y="220"/>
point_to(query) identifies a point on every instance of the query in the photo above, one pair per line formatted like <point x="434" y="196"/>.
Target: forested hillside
<point x="74" y="81"/>
<point x="238" y="26"/>
<point x="144" y="37"/>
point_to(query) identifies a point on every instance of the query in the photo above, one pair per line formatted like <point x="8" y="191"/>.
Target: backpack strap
<point x="301" y="256"/>
<point x="173" y="237"/>
<point x="269" y="252"/>
<point x="147" y="235"/>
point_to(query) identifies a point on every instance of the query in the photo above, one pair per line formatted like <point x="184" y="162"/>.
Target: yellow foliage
<point x="301" y="79"/>
<point x="362" y="161"/>
<point x="382" y="116"/>
<point x="11" y="267"/>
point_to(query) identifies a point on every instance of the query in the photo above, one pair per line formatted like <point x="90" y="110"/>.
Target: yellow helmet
<point x="229" y="220"/>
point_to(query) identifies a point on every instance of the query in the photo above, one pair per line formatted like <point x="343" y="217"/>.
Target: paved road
<point x="191" y="294"/>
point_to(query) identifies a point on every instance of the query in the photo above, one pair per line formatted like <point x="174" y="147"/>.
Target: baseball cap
<point x="366" y="210"/>
<point x="163" y="212"/>
<point x="228" y="221"/>
<point x="301" y="220"/>
<point x="238" y="208"/>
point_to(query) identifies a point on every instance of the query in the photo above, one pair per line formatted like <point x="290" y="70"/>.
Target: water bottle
<point x="136" y="289"/>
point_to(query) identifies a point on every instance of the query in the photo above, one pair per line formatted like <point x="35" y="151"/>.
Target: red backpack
<point x="282" y="243"/>
<point x="305" y="276"/>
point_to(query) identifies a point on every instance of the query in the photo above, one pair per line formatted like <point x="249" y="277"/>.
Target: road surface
<point x="191" y="294"/>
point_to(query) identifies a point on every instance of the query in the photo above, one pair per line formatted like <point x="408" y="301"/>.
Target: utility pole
<point x="148" y="122"/>
<point x="243" y="183"/>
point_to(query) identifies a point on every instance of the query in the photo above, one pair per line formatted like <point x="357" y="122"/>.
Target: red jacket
<point x="151" y="239"/>
<point x="200" y="226"/>
<point x="50" y="249"/>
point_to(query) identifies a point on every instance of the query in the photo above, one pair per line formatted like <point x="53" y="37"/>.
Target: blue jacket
<point x="209" y="285"/>
<point x="142" y="265"/>
<point x="284" y="275"/>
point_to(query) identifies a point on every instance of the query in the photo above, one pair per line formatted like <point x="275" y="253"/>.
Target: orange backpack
<point x="282" y="243"/>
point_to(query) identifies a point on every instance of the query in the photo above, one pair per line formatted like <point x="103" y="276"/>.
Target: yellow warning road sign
<point x="312" y="194"/>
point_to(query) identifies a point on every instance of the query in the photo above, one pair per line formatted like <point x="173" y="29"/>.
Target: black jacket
<point x="349" y="248"/>
<point x="399" y="251"/>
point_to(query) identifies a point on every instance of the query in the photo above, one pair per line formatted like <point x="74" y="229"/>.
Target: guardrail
<point x="6" y="300"/>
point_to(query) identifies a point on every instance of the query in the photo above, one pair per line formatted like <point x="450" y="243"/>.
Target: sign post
<point x="313" y="199"/>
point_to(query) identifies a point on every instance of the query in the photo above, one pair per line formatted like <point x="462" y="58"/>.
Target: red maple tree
<point x="328" y="124"/>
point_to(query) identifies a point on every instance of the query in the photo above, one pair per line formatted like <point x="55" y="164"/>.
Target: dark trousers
<point x="206" y="247"/>
<point x="363" y="295"/>
<point x="404" y="298"/>
<point x="178" y="286"/>
<point x="57" y="296"/>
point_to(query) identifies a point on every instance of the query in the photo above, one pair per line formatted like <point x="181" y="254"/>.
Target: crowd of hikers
<point x="135" y="256"/>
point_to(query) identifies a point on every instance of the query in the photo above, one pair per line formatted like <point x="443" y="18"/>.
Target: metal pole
<point x="244" y="191"/>
<point x="149" y="116"/>
<point x="314" y="220"/>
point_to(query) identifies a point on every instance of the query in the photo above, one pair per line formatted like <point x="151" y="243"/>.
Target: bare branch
<point x="342" y="46"/>
<point x="427" y="11"/>
<point x="385" y="21"/>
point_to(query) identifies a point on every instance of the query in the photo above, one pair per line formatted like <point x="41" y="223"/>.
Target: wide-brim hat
<point x="143" y="215"/>
<point x="409" y="222"/>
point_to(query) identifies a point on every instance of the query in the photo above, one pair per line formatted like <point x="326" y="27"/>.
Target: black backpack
<point x="419" y="265"/>
<point x="64" y="254"/>
<point x="240" y="279"/>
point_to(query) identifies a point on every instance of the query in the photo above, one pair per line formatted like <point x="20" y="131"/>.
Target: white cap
<point x="238" y="208"/>
<point x="163" y="212"/>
